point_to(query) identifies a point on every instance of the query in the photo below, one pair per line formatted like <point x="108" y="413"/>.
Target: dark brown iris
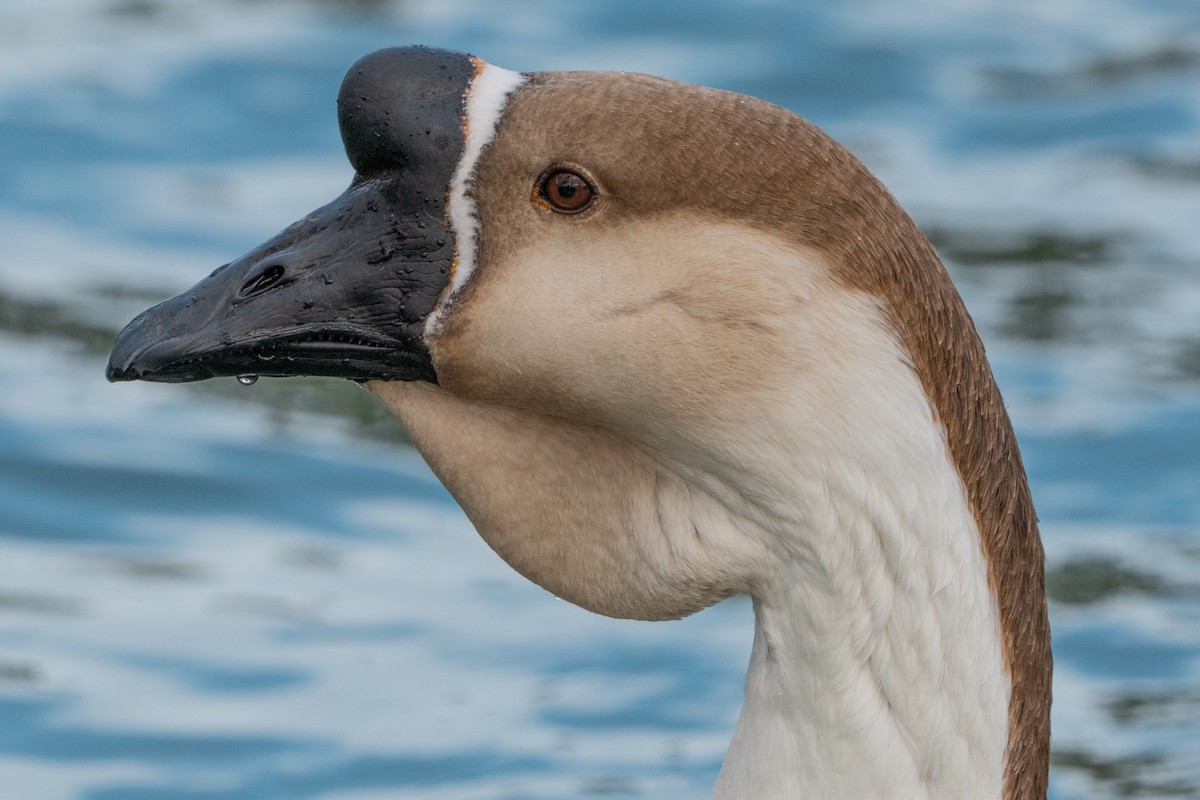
<point x="567" y="191"/>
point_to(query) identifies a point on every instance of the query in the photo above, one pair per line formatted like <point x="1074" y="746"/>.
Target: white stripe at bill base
<point x="486" y="96"/>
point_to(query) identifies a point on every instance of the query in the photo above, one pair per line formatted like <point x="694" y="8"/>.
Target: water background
<point x="246" y="593"/>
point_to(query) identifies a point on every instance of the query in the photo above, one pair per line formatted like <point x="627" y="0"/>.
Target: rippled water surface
<point x="218" y="591"/>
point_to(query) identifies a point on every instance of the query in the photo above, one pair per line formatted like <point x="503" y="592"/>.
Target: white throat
<point x="877" y="668"/>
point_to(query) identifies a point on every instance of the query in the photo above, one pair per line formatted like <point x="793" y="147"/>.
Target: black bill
<point x="345" y="291"/>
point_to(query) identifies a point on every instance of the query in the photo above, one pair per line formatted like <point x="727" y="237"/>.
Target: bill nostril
<point x="262" y="281"/>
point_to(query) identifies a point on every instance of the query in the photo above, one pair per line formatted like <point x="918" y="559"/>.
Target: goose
<point x="665" y="344"/>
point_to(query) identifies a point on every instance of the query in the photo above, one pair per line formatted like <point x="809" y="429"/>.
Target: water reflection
<point x="223" y="591"/>
<point x="1165" y="60"/>
<point x="1089" y="580"/>
<point x="1126" y="776"/>
<point x="46" y="319"/>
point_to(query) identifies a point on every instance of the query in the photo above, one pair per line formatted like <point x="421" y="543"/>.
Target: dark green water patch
<point x="19" y="672"/>
<point x="39" y="604"/>
<point x="1187" y="359"/>
<point x="1090" y="580"/>
<point x="1041" y="315"/>
<point x="1155" y="707"/>
<point x="988" y="248"/>
<point x="43" y="319"/>
<point x="1168" y="168"/>
<point x="1099" y="73"/>
<point x="1126" y="776"/>
<point x="153" y="569"/>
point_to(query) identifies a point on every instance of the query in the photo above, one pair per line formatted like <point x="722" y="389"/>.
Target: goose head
<point x="665" y="344"/>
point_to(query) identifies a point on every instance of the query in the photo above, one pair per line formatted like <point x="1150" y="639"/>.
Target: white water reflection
<point x="252" y="592"/>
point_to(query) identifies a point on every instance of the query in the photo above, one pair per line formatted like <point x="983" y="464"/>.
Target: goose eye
<point x="566" y="191"/>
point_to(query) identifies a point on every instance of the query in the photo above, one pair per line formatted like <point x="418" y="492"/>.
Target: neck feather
<point x="847" y="215"/>
<point x="887" y="256"/>
<point x="877" y="668"/>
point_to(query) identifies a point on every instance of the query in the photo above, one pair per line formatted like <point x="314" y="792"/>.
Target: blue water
<point x="217" y="591"/>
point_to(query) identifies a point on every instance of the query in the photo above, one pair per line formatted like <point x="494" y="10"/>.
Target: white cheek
<point x="486" y="98"/>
